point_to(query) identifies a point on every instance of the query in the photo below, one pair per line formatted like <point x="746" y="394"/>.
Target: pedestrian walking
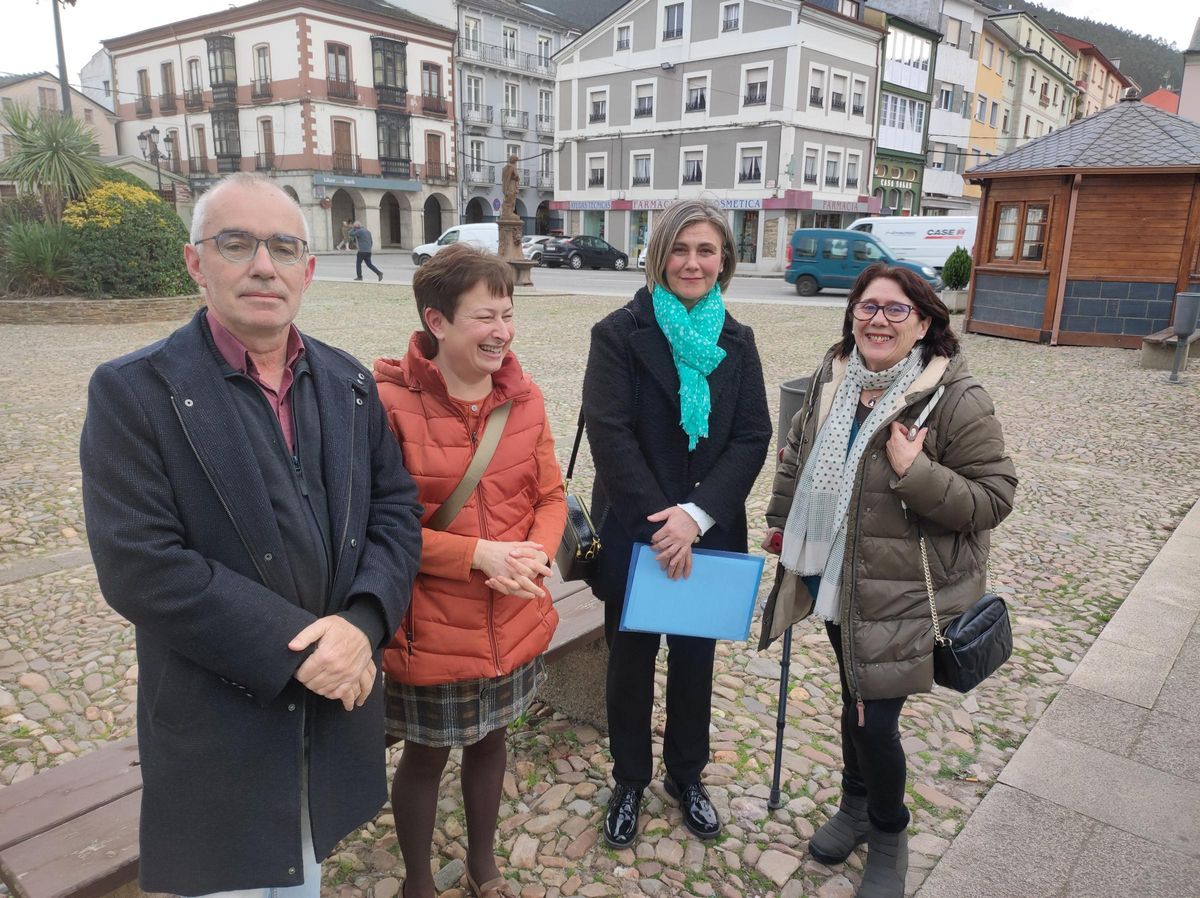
<point x="859" y="484"/>
<point x="346" y="225"/>
<point x="364" y="241"/>
<point x="676" y="416"/>
<point x="467" y="660"/>
<point x="250" y="514"/>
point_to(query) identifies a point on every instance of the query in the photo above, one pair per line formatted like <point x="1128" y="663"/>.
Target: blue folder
<point x="716" y="600"/>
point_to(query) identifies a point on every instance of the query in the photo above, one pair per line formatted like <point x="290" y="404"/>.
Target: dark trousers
<point x="358" y="264"/>
<point x="631" y="658"/>
<point x="872" y="758"/>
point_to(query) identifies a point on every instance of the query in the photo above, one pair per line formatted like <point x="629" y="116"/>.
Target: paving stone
<point x="449" y="874"/>
<point x="777" y="866"/>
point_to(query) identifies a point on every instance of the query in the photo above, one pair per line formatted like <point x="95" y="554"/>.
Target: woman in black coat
<point x="677" y="420"/>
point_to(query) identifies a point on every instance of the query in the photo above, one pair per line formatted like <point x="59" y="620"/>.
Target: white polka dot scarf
<point x="814" y="540"/>
<point x="693" y="337"/>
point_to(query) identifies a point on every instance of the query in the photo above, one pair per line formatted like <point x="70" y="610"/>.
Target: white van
<point x="485" y="235"/>
<point x="928" y="239"/>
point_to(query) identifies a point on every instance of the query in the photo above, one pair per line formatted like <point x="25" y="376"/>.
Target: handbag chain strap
<point x="937" y="626"/>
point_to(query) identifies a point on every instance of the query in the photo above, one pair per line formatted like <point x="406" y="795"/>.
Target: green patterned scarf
<point x="693" y="337"/>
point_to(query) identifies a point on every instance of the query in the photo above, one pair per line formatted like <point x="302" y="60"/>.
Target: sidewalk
<point x="1103" y="797"/>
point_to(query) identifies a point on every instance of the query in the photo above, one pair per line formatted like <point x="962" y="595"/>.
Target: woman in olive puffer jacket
<point x="857" y="486"/>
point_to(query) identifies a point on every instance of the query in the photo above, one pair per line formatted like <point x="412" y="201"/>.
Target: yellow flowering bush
<point x="129" y="243"/>
<point x="105" y="206"/>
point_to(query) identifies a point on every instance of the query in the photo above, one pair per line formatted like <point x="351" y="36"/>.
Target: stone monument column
<point x="511" y="227"/>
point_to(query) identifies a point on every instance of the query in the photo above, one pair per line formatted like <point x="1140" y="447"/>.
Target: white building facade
<point x="95" y="79"/>
<point x="1043" y="73"/>
<point x="765" y="107"/>
<point x="328" y="98"/>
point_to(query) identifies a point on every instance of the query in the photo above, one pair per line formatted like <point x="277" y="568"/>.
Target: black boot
<point x="842" y="833"/>
<point x="887" y="865"/>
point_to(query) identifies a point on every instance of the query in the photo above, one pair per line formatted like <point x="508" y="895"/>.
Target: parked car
<point x="485" y="235"/>
<point x="642" y="257"/>
<point x="926" y="239"/>
<point x="827" y="257"/>
<point x="583" y="251"/>
<point x="532" y="246"/>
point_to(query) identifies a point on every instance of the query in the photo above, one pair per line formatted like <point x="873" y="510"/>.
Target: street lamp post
<point x="148" y="141"/>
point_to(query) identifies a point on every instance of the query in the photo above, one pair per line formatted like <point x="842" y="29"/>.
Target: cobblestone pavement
<point x="1106" y="456"/>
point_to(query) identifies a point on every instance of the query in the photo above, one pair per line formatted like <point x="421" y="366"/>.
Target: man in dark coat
<point x="249" y="511"/>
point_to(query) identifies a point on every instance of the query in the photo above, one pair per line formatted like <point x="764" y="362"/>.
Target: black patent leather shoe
<point x="699" y="815"/>
<point x="621" y="820"/>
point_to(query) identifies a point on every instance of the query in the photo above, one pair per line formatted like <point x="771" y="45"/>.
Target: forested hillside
<point x="1147" y="60"/>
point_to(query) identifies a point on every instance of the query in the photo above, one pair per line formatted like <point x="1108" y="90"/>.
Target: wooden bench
<point x="72" y="831"/>
<point x="1158" y="350"/>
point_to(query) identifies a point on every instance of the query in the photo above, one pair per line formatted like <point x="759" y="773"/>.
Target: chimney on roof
<point x="1130" y="94"/>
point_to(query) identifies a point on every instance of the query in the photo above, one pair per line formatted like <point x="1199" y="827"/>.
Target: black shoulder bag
<point x="580" y="546"/>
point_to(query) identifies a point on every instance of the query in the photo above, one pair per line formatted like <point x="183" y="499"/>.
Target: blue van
<point x="826" y="257"/>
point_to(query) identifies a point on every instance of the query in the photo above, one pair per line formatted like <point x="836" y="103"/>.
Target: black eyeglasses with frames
<point x="895" y="312"/>
<point x="240" y="246"/>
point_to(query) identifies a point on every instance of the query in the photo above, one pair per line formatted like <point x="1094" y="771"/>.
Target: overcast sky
<point x="27" y="36"/>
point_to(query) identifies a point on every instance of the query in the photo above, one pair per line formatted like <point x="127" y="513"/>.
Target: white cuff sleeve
<point x="702" y="518"/>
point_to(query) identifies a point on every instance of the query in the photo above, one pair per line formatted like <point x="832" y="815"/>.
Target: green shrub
<point x="111" y="173"/>
<point x="129" y="243"/>
<point x="36" y="259"/>
<point x="956" y="273"/>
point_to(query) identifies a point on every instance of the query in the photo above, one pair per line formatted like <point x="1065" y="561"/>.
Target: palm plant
<point x="54" y="157"/>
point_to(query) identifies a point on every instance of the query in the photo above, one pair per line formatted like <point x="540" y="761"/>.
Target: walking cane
<point x="781" y="719"/>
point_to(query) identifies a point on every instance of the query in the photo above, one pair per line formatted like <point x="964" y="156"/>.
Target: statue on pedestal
<point x="510" y="183"/>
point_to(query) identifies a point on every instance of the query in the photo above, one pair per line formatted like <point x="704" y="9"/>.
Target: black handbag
<point x="579" y="549"/>
<point x="974" y="644"/>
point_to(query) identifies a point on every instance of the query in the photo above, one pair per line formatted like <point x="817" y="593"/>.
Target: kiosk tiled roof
<point x="1130" y="134"/>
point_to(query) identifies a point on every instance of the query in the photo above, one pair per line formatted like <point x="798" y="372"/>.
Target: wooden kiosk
<point x="1086" y="235"/>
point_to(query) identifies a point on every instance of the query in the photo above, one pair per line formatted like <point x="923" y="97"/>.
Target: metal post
<point x="1181" y="351"/>
<point x="64" y="87"/>
<point x="1187" y="311"/>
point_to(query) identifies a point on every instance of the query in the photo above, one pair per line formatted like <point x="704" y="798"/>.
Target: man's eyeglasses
<point x="240" y="246"/>
<point x="894" y="312"/>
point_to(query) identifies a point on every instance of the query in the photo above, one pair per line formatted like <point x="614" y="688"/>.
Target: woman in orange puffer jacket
<point x="467" y="660"/>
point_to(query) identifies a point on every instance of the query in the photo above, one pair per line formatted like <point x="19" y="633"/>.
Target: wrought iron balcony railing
<point x="514" y="119"/>
<point x="391" y="95"/>
<point x="341" y="89"/>
<point x="477" y="114"/>
<point x="347" y="163"/>
<point x="395" y="167"/>
<point x="481" y="174"/>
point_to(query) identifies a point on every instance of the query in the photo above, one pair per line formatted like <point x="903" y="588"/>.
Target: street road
<point x="397" y="268"/>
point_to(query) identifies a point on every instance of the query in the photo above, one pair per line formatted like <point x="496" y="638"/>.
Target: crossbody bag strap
<point x="575" y="447"/>
<point x="937" y="627"/>
<point x="483" y="456"/>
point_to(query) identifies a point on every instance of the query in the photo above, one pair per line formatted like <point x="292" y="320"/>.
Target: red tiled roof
<point x="1164" y="98"/>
